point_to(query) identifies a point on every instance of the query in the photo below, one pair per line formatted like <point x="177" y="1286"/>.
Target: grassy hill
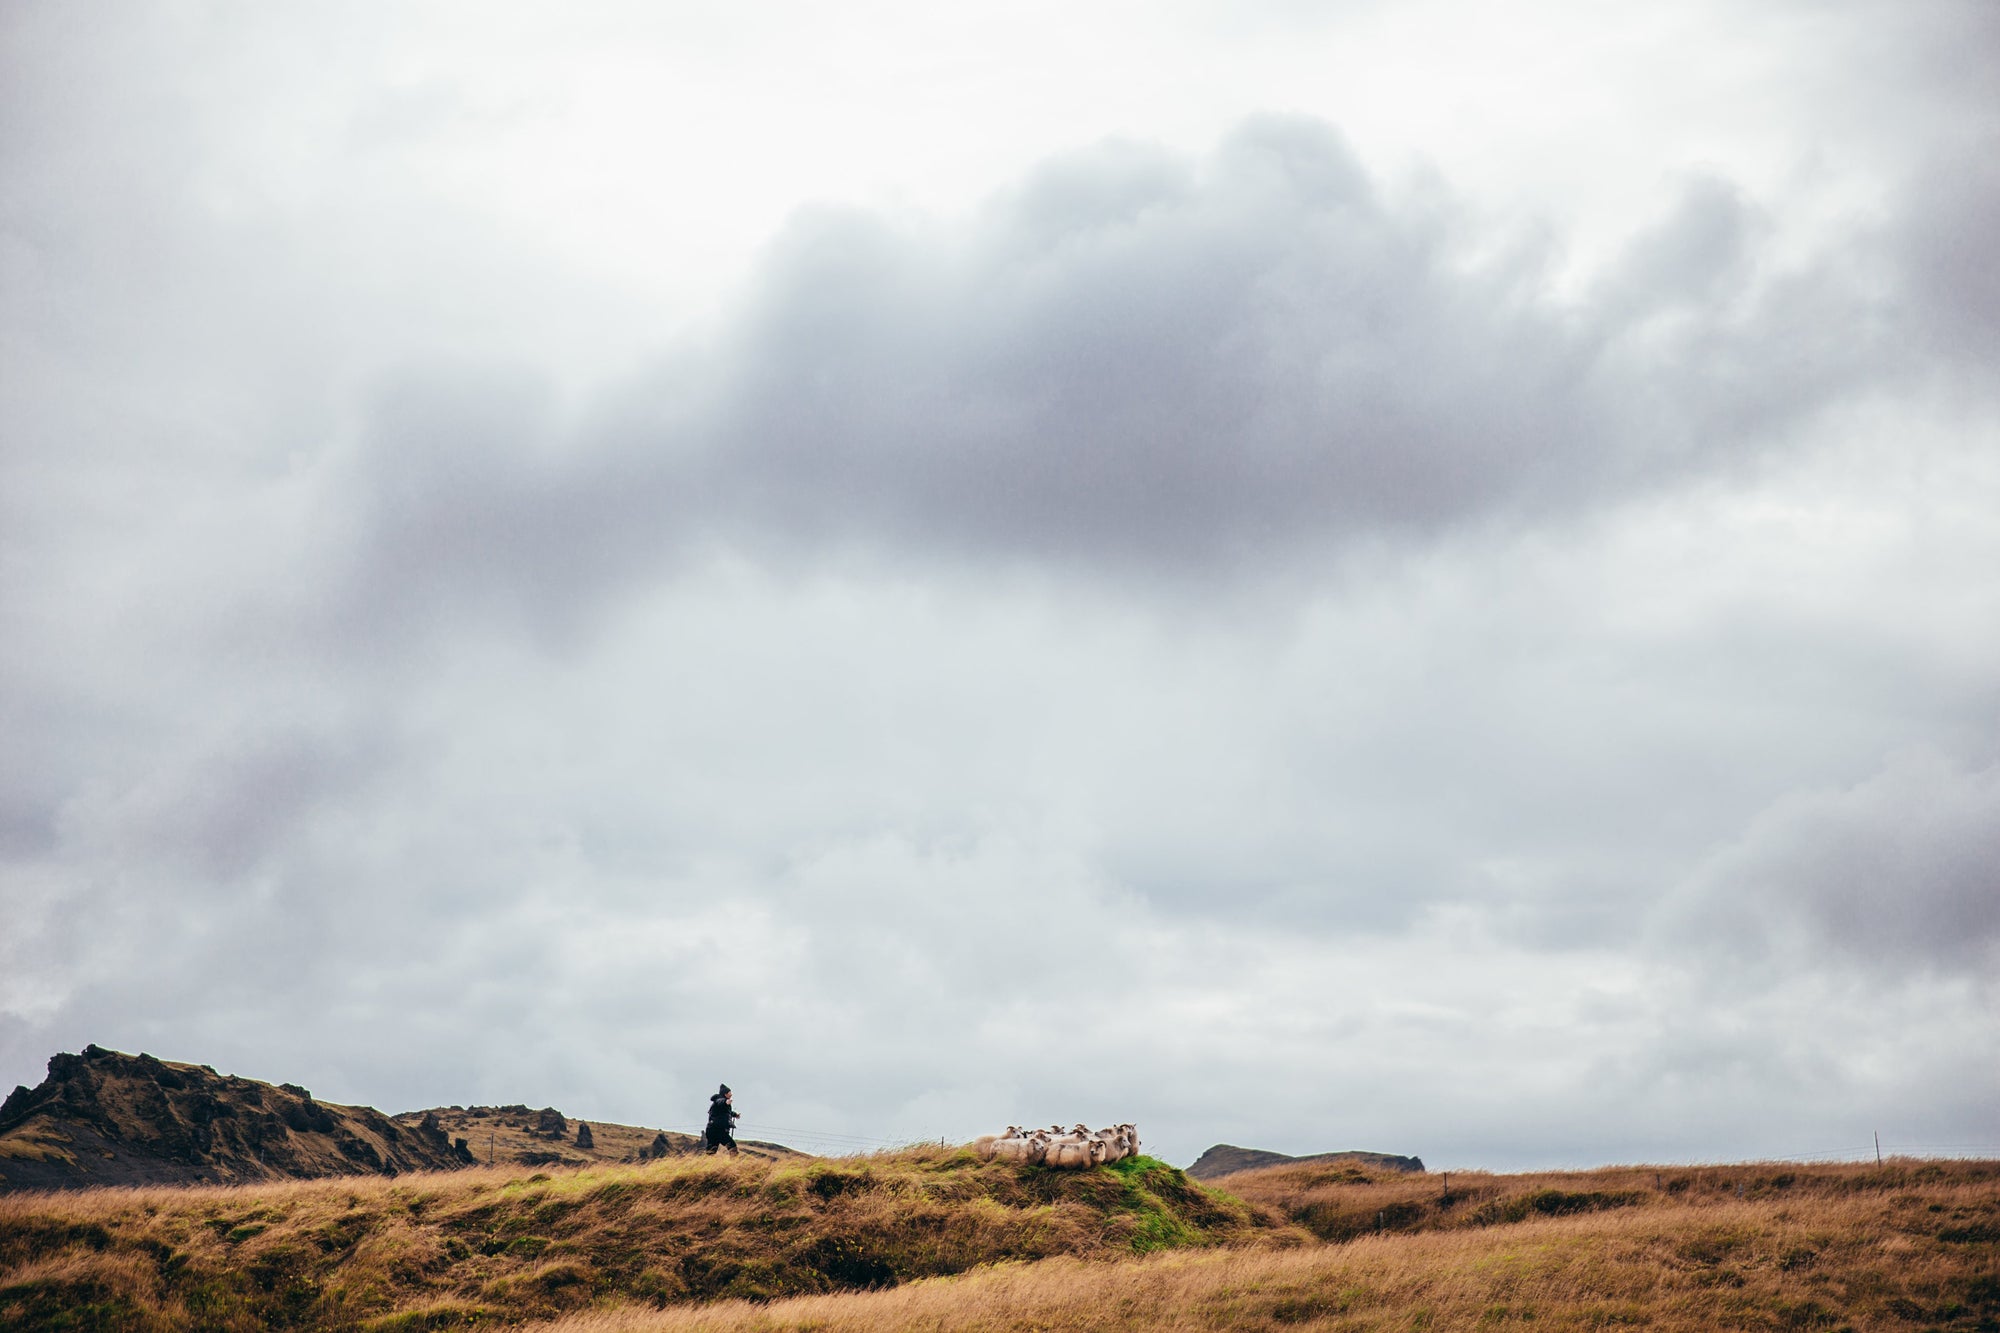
<point x="932" y="1239"/>
<point x="1907" y="1246"/>
<point x="481" y="1246"/>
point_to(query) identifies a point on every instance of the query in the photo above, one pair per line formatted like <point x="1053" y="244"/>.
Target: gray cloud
<point x="1899" y="871"/>
<point x="1948" y="253"/>
<point x="1134" y="363"/>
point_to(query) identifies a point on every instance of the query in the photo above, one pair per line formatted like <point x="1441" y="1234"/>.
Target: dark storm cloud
<point x="1951" y="256"/>
<point x="1134" y="362"/>
<point x="1126" y="363"/>
<point x="1900" y="870"/>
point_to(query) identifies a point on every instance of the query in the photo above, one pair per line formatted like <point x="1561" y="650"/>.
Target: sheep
<point x="1073" y="1152"/>
<point x="1069" y="1149"/>
<point x="1128" y="1135"/>
<point x="987" y="1145"/>
<point x="1024" y="1149"/>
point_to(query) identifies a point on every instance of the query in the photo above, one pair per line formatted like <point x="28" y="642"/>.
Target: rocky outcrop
<point x="1226" y="1159"/>
<point x="105" y="1118"/>
<point x="584" y="1138"/>
<point x="550" y="1123"/>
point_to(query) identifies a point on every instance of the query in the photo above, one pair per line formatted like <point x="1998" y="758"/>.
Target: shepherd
<point x="721" y="1132"/>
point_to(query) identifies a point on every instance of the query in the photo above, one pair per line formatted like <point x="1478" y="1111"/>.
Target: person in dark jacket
<point x="721" y="1132"/>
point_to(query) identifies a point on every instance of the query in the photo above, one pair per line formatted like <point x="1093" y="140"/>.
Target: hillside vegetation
<point x="933" y="1239"/>
<point x="484" y="1246"/>
<point x="1907" y="1246"/>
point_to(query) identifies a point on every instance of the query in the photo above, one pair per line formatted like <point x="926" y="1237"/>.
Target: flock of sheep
<point x="1071" y="1149"/>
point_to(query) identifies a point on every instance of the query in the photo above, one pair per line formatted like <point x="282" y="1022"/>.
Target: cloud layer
<point x="1141" y="365"/>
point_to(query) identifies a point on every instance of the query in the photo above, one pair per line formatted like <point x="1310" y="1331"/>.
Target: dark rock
<point x="150" y="1067"/>
<point x="358" y="1150"/>
<point x="308" y="1118"/>
<point x="19" y="1103"/>
<point x="139" y="1120"/>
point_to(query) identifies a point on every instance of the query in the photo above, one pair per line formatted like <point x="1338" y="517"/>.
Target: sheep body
<point x="1024" y="1150"/>
<point x="1072" y="1149"/>
<point x="1074" y="1152"/>
<point x="987" y="1146"/>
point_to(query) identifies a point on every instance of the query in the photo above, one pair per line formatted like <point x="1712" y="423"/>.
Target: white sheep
<point x="1073" y="1152"/>
<point x="1129" y="1133"/>
<point x="987" y="1145"/>
<point x="1026" y="1150"/>
<point x="1067" y="1149"/>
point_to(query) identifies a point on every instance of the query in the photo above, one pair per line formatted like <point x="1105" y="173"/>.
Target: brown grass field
<point x="501" y="1245"/>
<point x="930" y="1239"/>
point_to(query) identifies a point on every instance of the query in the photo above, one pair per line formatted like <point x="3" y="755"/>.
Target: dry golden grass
<point x="432" y="1251"/>
<point x="1912" y="1246"/>
<point x="1341" y="1202"/>
<point x="956" y="1244"/>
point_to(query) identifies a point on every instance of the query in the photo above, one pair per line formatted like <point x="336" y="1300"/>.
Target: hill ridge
<point x="1226" y="1159"/>
<point x="104" y="1117"/>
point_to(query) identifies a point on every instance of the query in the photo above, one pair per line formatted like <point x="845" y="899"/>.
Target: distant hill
<point x="107" y="1118"/>
<point x="515" y="1135"/>
<point x="1225" y="1159"/>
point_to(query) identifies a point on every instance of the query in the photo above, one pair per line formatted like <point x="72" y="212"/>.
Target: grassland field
<point x="930" y="1238"/>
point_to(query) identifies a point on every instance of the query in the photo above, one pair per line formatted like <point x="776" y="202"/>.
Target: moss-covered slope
<point x="479" y="1245"/>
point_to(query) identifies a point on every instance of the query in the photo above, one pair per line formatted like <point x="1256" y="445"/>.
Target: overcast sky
<point x="1420" y="576"/>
